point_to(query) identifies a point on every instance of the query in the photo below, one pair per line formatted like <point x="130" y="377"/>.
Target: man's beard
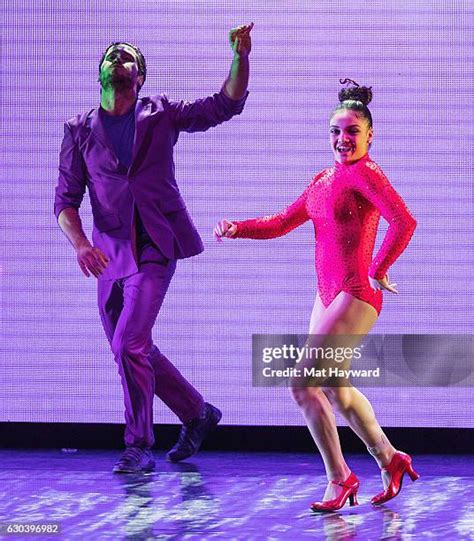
<point x="117" y="81"/>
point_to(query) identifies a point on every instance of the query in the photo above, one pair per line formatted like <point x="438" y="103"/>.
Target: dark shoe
<point x="134" y="459"/>
<point x="193" y="433"/>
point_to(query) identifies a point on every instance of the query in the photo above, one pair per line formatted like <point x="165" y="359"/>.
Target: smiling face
<point x="350" y="136"/>
<point x="120" y="68"/>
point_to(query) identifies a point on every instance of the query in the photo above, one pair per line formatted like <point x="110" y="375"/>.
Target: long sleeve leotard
<point x="345" y="203"/>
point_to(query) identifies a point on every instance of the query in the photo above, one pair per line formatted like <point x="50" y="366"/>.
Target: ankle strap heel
<point x="350" y="487"/>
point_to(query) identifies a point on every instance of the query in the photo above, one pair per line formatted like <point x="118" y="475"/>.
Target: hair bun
<point x="357" y="93"/>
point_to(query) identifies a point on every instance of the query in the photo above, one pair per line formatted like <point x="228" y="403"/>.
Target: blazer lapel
<point x="142" y="112"/>
<point x="98" y="131"/>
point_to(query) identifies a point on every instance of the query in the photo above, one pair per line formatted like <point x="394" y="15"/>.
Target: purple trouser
<point x="128" y="309"/>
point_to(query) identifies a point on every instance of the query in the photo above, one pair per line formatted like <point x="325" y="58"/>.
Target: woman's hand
<point x="384" y="283"/>
<point x="224" y="228"/>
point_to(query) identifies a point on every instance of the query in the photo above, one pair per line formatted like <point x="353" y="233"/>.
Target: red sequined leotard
<point x="345" y="203"/>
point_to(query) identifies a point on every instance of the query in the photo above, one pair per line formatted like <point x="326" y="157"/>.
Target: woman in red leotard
<point x="345" y="202"/>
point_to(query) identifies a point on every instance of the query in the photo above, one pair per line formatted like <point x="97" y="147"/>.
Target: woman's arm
<point x="276" y="225"/>
<point x="272" y="226"/>
<point x="375" y="187"/>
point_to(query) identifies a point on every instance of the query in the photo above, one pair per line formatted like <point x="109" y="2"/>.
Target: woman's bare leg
<point x="321" y="422"/>
<point x="358" y="317"/>
<point x="346" y="315"/>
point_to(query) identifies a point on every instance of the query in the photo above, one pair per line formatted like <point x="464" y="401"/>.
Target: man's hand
<point x="240" y="39"/>
<point x="91" y="259"/>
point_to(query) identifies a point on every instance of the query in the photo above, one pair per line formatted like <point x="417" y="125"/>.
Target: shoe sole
<point x="148" y="468"/>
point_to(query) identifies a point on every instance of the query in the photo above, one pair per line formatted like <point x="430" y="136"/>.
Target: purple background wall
<point x="55" y="364"/>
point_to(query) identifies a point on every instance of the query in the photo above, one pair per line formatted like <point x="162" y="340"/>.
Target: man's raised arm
<point x="236" y="84"/>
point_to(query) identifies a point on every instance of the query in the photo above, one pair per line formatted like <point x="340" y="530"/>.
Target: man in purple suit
<point x="122" y="152"/>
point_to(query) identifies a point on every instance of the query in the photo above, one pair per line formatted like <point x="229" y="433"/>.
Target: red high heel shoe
<point x="400" y="464"/>
<point x="350" y="485"/>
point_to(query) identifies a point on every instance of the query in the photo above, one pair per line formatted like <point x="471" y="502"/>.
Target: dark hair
<point x="141" y="58"/>
<point x="355" y="98"/>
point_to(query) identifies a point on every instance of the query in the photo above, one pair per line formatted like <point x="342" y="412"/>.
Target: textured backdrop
<point x="55" y="364"/>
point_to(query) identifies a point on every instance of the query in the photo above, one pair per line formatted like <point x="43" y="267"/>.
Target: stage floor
<point x="241" y="496"/>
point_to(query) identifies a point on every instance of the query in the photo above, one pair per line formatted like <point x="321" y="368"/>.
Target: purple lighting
<point x="55" y="363"/>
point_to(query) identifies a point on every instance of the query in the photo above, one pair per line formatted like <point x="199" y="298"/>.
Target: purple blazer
<point x="87" y="159"/>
